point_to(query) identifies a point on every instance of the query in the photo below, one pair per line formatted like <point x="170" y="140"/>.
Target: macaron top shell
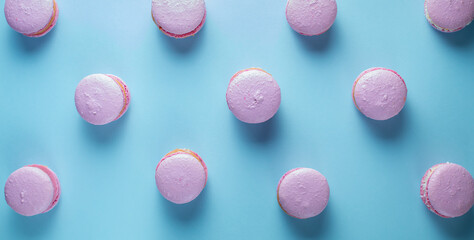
<point x="379" y="93"/>
<point x="181" y="176"/>
<point x="303" y="193"/>
<point x="101" y="98"/>
<point x="449" y="15"/>
<point x="451" y="190"/>
<point x="178" y="17"/>
<point x="311" y="17"/>
<point x="253" y="95"/>
<point x="28" y="16"/>
<point x="31" y="190"/>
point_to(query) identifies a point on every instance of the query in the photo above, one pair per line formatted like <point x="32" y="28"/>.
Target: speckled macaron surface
<point x="311" y="17"/>
<point x="447" y="189"/>
<point x="449" y="15"/>
<point x="379" y="93"/>
<point x="32" y="190"/>
<point x="101" y="98"/>
<point x="253" y="95"/>
<point x="303" y="193"/>
<point x="33" y="18"/>
<point x="179" y="18"/>
<point x="180" y="176"/>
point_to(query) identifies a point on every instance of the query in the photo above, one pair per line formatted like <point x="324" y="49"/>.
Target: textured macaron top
<point x="447" y="189"/>
<point x="32" y="190"/>
<point x="101" y="98"/>
<point x="179" y="18"/>
<point x="379" y="93"/>
<point x="180" y="176"/>
<point x="303" y="193"/>
<point x="253" y="95"/>
<point x="449" y="15"/>
<point x="31" y="17"/>
<point x="311" y="17"/>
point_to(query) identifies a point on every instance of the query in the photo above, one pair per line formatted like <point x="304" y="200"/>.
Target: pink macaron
<point x="379" y="93"/>
<point x="179" y="18"/>
<point x="32" y="18"/>
<point x="253" y="95"/>
<point x="449" y="15"/>
<point x="303" y="193"/>
<point x="447" y="189"/>
<point x="32" y="190"/>
<point x="180" y="176"/>
<point x="311" y="17"/>
<point x="101" y="98"/>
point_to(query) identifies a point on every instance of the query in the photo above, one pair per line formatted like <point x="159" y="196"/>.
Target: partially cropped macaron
<point x="447" y="189"/>
<point x="179" y="18"/>
<point x="303" y="193"/>
<point x="32" y="190"/>
<point x="180" y="176"/>
<point x="32" y="18"/>
<point x="449" y="15"/>
<point x="379" y="93"/>
<point x="253" y="95"/>
<point x="101" y="98"/>
<point x="311" y="17"/>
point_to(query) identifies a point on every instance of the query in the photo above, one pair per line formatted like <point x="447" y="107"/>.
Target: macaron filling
<point x="201" y="24"/>
<point x="48" y="26"/>
<point x="424" y="189"/>
<point x="56" y="186"/>
<point x="125" y="92"/>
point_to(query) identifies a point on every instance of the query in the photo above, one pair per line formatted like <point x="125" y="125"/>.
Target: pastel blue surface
<point x="178" y="100"/>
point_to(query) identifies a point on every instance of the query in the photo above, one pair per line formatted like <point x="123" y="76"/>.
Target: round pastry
<point x="379" y="93"/>
<point x="180" y="176"/>
<point x="311" y="17"/>
<point x="32" y="18"/>
<point x="179" y="18"/>
<point x="32" y="190"/>
<point x="253" y="95"/>
<point x="303" y="193"/>
<point x="449" y="15"/>
<point x="447" y="189"/>
<point x="101" y="98"/>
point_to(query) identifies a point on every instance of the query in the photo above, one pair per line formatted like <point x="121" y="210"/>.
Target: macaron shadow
<point x="462" y="38"/>
<point x="185" y="212"/>
<point x="184" y="45"/>
<point x="387" y="129"/>
<point x="33" y="226"/>
<point x="108" y="132"/>
<point x="261" y="132"/>
<point x="30" y="44"/>
<point x="460" y="227"/>
<point x="311" y="227"/>
<point x="318" y="43"/>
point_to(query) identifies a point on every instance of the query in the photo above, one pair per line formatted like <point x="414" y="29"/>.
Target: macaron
<point x="449" y="15"/>
<point x="253" y="96"/>
<point x="447" y="189"/>
<point x="101" y="98"/>
<point x="379" y="93"/>
<point x="180" y="176"/>
<point x="32" y="190"/>
<point x="32" y="18"/>
<point x="303" y="193"/>
<point x="179" y="18"/>
<point x="311" y="17"/>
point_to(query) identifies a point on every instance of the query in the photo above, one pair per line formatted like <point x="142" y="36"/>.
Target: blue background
<point x="178" y="100"/>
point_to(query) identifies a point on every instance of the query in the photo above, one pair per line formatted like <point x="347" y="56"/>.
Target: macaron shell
<point x="99" y="99"/>
<point x="303" y="193"/>
<point x="449" y="15"/>
<point x="49" y="26"/>
<point x="180" y="177"/>
<point x="125" y="93"/>
<point x="253" y="95"/>
<point x="311" y="17"/>
<point x="451" y="190"/>
<point x="28" y="16"/>
<point x="29" y="191"/>
<point x="55" y="180"/>
<point x="379" y="93"/>
<point x="179" y="17"/>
